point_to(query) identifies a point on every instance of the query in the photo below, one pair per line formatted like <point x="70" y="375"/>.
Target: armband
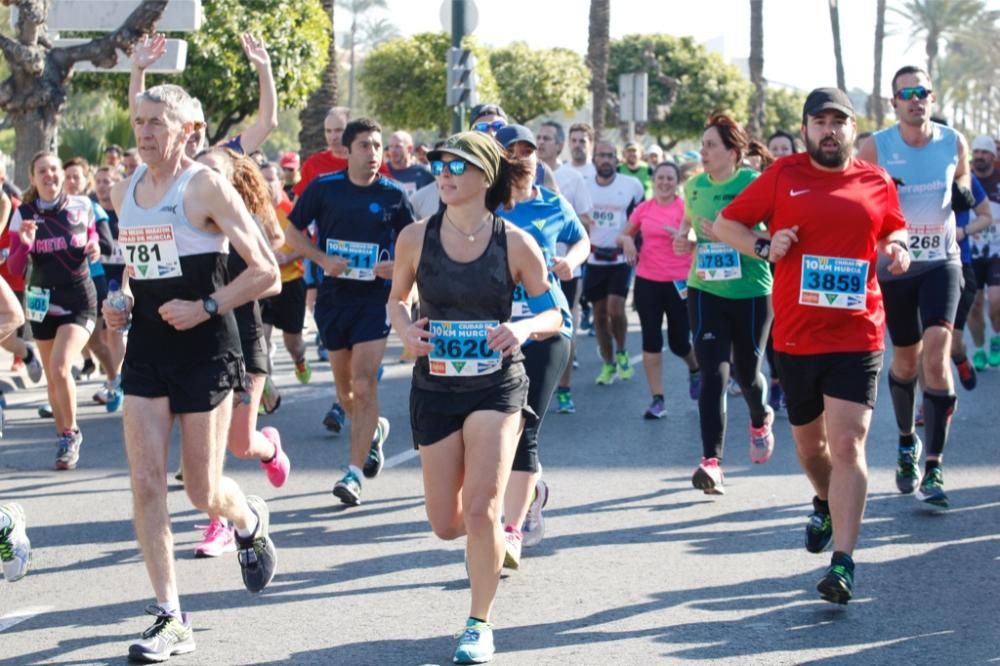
<point x="962" y="198"/>
<point x="896" y="241"/>
<point x="542" y="302"/>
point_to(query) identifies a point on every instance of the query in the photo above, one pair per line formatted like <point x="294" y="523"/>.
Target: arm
<point x="983" y="219"/>
<point x="528" y="268"/>
<point x="253" y="136"/>
<point x="11" y="312"/>
<point x="868" y="151"/>
<point x="303" y="246"/>
<point x="22" y="238"/>
<point x="743" y="239"/>
<point x="414" y="334"/>
<point x="627" y="241"/>
<point x="895" y="246"/>
<point x="963" y="176"/>
<point x="147" y="51"/>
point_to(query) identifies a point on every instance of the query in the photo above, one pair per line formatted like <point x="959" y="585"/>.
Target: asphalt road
<point x="636" y="567"/>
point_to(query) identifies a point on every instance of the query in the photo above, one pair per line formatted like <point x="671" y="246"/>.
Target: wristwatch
<point x="762" y="248"/>
<point x="211" y="307"/>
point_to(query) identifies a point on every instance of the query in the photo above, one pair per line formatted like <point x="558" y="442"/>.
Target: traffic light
<point x="461" y="78"/>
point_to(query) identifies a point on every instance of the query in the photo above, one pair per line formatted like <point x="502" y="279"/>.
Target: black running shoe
<point x="335" y="418"/>
<point x="376" y="458"/>
<point x="257" y="556"/>
<point x="908" y="466"/>
<point x="837" y="585"/>
<point x="819" y="529"/>
<point x="168" y="636"/>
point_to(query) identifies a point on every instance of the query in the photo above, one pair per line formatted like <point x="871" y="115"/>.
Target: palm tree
<point x="598" y="50"/>
<point x="937" y="20"/>
<point x="758" y="113"/>
<point x="356" y="8"/>
<point x="838" y="56"/>
<point x="311" y="139"/>
<point x="378" y="31"/>
<point x="876" y="111"/>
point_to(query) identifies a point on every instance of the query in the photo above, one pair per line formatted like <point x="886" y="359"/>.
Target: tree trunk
<point x="598" y="50"/>
<point x="311" y="138"/>
<point x="34" y="130"/>
<point x="931" y="50"/>
<point x="350" y="75"/>
<point x="837" y="54"/>
<point x="876" y="111"/>
<point x="758" y="110"/>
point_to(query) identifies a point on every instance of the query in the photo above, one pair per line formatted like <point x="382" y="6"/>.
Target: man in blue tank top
<point x="358" y="215"/>
<point x="931" y="164"/>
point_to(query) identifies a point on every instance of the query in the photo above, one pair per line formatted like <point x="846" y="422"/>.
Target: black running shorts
<point x="851" y="376"/>
<point x="913" y="304"/>
<point x="286" y="311"/>
<point x="599" y="282"/>
<point x="190" y="387"/>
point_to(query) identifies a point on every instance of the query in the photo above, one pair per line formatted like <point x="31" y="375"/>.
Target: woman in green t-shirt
<point x="729" y="302"/>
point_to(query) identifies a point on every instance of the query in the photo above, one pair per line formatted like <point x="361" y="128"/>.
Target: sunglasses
<point x="486" y="127"/>
<point x="906" y="94"/>
<point x="455" y="167"/>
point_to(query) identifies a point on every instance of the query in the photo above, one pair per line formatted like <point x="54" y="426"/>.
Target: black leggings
<point x="544" y="363"/>
<point x="653" y="300"/>
<point x="724" y="329"/>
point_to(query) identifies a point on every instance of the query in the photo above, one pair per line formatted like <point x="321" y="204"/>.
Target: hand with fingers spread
<point x="781" y="243"/>
<point x="415" y="338"/>
<point x="682" y="242"/>
<point x="506" y="338"/>
<point x="27" y="232"/>
<point x="148" y="50"/>
<point x="255" y="50"/>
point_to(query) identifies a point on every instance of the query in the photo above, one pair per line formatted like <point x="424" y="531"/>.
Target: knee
<point x="904" y="364"/>
<point x="847" y="451"/>
<point x="363" y="389"/>
<point x="447" y="531"/>
<point x="202" y="496"/>
<point x="481" y="515"/>
<point x="148" y="488"/>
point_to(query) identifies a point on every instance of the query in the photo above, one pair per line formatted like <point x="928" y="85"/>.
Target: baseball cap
<point x="480" y="150"/>
<point x="481" y="110"/>
<point x="984" y="142"/>
<point x="289" y="160"/>
<point x="511" y="134"/>
<point x="827" y="99"/>
<point x="631" y="144"/>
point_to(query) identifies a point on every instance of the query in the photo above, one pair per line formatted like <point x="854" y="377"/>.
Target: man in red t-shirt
<point x="829" y="216"/>
<point x="334" y="158"/>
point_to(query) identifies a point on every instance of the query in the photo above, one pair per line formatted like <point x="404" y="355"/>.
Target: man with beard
<point x="986" y="258"/>
<point x="830" y="218"/>
<point x="931" y="161"/>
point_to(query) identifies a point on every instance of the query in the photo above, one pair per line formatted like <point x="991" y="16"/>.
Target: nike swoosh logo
<point x="796" y="193"/>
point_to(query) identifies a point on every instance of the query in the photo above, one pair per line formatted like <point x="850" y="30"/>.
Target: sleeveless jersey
<point x="57" y="255"/>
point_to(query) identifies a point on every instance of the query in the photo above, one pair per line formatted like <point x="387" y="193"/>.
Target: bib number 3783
<point x="718" y="261"/>
<point x="833" y="282"/>
<point x="461" y="349"/>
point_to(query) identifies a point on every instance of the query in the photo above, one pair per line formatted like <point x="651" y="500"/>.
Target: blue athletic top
<point x="962" y="220"/>
<point x="346" y="212"/>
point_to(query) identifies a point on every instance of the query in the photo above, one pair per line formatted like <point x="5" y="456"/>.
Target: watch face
<point x="211" y="307"/>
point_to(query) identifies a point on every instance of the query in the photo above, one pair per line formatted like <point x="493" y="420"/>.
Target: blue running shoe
<point x="381" y="371"/>
<point x="348" y="489"/>
<point x="566" y="404"/>
<point x="335" y="418"/>
<point x="475" y="643"/>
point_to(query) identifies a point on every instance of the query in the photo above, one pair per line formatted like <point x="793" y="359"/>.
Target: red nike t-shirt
<point x="322" y="163"/>
<point x="826" y="296"/>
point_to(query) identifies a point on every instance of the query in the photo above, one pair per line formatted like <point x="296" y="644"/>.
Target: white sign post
<point x="633" y="100"/>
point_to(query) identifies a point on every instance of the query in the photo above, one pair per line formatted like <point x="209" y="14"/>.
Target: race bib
<point x="37" y="303"/>
<point x="519" y="305"/>
<point x="606" y="218"/>
<point x="360" y="257"/>
<point x="117" y="256"/>
<point x="460" y="349"/>
<point x="150" y="252"/>
<point x="718" y="261"/>
<point x="833" y="282"/>
<point x="682" y="288"/>
<point x="928" y="243"/>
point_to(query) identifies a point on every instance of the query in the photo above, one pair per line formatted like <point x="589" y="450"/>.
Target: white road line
<point x="401" y="458"/>
<point x="17" y="617"/>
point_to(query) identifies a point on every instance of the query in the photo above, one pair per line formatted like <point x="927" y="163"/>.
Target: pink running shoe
<point x="280" y="466"/>
<point x="762" y="439"/>
<point x="217" y="539"/>
<point x="708" y="477"/>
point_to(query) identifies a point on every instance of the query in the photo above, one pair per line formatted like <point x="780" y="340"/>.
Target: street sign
<point x="461" y="78"/>
<point x="172" y="62"/>
<point x="633" y="97"/>
<point x="471" y="16"/>
<point x="107" y="15"/>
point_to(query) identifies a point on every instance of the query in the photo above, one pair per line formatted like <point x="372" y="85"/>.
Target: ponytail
<point x="512" y="170"/>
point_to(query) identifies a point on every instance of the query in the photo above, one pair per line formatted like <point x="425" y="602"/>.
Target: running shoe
<point x="819" y="529"/>
<point x="335" y="418"/>
<point x="918" y="417"/>
<point x="3" y="421"/>
<point x="85" y="371"/>
<point x="776" y="396"/>
<point x="278" y="467"/>
<point x="69" y="449"/>
<point x="837" y="584"/>
<point x="586" y="323"/>
<point x="376" y="458"/>
<point x="733" y="389"/>
<point x="979" y="359"/>
<point x="17" y="365"/>
<point x="931" y="490"/>
<point x="303" y="371"/>
<point x="512" y="547"/>
<point x="762" y="439"/>
<point x="115" y="398"/>
<point x="607" y="376"/>
<point x="168" y="636"/>
<point x="33" y="366"/>
<point x="994" y="356"/>
<point x="348" y="489"/>
<point x="656" y="410"/>
<point x="533" y="529"/>
<point x="3" y="400"/>
<point x="565" y="400"/>
<point x="45" y="411"/>
<point x="908" y="466"/>
<point x="15" y="547"/>
<point x="625" y="370"/>
<point x="966" y="374"/>
<point x="102" y="395"/>
<point x="694" y="384"/>
<point x="257" y="556"/>
<point x="216" y="539"/>
<point x="381" y="371"/>
<point x="179" y="474"/>
<point x="475" y="643"/>
<point x="708" y="477"/>
<point x="270" y="400"/>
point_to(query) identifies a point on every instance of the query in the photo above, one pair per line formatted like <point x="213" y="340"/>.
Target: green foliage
<point x="784" y="111"/>
<point x="91" y="122"/>
<point x="704" y="82"/>
<point x="297" y="33"/>
<point x="405" y="81"/>
<point x="537" y="81"/>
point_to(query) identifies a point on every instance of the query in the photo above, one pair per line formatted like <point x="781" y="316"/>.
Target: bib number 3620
<point x="461" y="349"/>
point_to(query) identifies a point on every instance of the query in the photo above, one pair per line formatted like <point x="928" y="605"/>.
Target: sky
<point x="798" y="45"/>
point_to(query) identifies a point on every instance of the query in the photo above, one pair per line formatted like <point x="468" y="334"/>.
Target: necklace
<point x="472" y="236"/>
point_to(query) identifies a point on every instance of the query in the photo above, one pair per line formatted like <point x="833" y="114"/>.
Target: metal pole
<point x="457" y="32"/>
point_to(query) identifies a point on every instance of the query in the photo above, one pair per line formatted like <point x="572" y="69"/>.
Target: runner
<point x="550" y="220"/>
<point x="986" y="259"/>
<point x="177" y="219"/>
<point x="581" y="151"/>
<point x="58" y="232"/>
<point x="920" y="307"/>
<point x="635" y="167"/>
<point x="244" y="440"/>
<point x="290" y="164"/>
<point x="729" y="303"/>
<point x="661" y="284"/>
<point x="358" y="216"/>
<point x="404" y="168"/>
<point x="829" y="216"/>
<point x="782" y="143"/>
<point x="607" y="279"/>
<point x="114" y="262"/>
<point x="466" y="414"/>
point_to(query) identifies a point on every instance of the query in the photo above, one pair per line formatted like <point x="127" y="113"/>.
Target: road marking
<point x="401" y="458"/>
<point x="17" y="617"/>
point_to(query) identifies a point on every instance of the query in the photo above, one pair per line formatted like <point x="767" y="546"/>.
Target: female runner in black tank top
<point x="465" y="263"/>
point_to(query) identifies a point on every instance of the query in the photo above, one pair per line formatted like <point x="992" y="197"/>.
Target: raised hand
<point x="148" y="50"/>
<point x="255" y="49"/>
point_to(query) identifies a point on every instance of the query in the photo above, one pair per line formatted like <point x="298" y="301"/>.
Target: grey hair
<point x="560" y="132"/>
<point x="179" y="103"/>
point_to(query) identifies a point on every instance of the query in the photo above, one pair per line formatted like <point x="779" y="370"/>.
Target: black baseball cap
<point x="481" y="110"/>
<point x="827" y="99"/>
<point x="511" y="134"/>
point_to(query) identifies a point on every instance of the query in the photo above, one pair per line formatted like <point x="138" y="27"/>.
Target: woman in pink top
<point x="660" y="283"/>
